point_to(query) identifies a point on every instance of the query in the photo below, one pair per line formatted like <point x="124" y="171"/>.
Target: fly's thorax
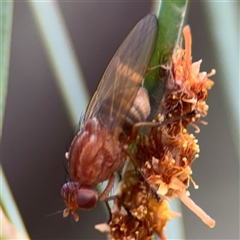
<point x="139" y="111"/>
<point x="84" y="146"/>
<point x="95" y="154"/>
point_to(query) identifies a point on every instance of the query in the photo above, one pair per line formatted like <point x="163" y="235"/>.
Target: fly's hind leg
<point x="136" y="165"/>
<point x="117" y="203"/>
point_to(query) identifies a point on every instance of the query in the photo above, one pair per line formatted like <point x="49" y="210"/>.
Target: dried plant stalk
<point x="164" y="155"/>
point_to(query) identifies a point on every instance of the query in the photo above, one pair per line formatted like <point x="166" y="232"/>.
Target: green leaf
<point x="13" y="227"/>
<point x="6" y="13"/>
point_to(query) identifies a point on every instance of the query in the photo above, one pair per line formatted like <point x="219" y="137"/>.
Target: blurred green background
<point x="38" y="127"/>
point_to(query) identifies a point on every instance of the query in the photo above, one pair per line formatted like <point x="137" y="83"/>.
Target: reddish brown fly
<point x="120" y="101"/>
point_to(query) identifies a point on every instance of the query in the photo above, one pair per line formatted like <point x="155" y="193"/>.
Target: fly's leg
<point x="109" y="211"/>
<point x="135" y="127"/>
<point x="108" y="188"/>
<point x="119" y="203"/>
<point x="135" y="163"/>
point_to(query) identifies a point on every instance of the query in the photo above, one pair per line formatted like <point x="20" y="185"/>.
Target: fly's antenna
<point x="55" y="213"/>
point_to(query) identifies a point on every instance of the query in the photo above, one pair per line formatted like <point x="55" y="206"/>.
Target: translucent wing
<point x="124" y="75"/>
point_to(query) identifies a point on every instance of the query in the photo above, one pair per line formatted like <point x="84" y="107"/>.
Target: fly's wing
<point x="124" y="75"/>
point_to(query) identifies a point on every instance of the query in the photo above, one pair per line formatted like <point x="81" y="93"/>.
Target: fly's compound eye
<point x="86" y="198"/>
<point x="76" y="197"/>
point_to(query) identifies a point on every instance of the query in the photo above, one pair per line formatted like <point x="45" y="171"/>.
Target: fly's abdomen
<point x="139" y="111"/>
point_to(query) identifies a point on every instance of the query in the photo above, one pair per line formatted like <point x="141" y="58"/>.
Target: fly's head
<point x="77" y="197"/>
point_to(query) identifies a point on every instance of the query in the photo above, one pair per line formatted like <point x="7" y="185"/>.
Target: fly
<point x="120" y="101"/>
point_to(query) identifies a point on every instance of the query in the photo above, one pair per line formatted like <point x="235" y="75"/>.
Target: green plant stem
<point x="171" y="16"/>
<point x="170" y="20"/>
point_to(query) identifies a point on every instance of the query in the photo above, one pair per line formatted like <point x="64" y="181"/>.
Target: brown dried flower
<point x="165" y="155"/>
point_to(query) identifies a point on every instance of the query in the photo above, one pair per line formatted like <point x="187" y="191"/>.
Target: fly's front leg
<point x="108" y="188"/>
<point x="109" y="211"/>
